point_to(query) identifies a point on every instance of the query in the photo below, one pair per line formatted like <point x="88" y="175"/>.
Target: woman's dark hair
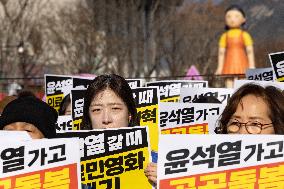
<point x="207" y="99"/>
<point x="273" y="97"/>
<point x="64" y="104"/>
<point x="119" y="86"/>
<point x="24" y="93"/>
<point x="238" y="8"/>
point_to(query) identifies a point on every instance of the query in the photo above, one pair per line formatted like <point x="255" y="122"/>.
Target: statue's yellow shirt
<point x="233" y="33"/>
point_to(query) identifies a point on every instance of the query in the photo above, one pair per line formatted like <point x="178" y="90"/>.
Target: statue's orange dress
<point x="236" y="60"/>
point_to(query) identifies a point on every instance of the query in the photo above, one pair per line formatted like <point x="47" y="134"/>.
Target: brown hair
<point x="273" y="97"/>
<point x="64" y="104"/>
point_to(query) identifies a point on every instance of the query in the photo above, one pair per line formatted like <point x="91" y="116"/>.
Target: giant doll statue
<point x="235" y="46"/>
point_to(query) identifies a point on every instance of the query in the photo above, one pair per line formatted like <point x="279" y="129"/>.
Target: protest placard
<point x="261" y="74"/>
<point x="58" y="86"/>
<point x="77" y="104"/>
<point x="114" y="158"/>
<point x="81" y="82"/>
<point x="11" y="135"/>
<point x="44" y="163"/>
<point x="188" y="118"/>
<point x="146" y="100"/>
<point x="277" y="63"/>
<point x="134" y="83"/>
<point x="169" y="90"/>
<point x="220" y="161"/>
<point x="64" y="123"/>
<point x="194" y="94"/>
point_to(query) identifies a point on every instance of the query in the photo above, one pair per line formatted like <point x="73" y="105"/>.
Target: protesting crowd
<point x="111" y="132"/>
<point x="127" y="136"/>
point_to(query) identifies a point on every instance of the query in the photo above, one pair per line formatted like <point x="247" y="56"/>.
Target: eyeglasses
<point x="252" y="127"/>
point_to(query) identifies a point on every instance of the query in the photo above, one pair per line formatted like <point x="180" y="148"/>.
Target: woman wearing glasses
<point x="253" y="109"/>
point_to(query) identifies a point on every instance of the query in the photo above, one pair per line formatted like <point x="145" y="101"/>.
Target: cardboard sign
<point x="12" y="135"/>
<point x="134" y="83"/>
<point x="187" y="118"/>
<point x="146" y="100"/>
<point x="220" y="161"/>
<point x="190" y="95"/>
<point x="114" y="158"/>
<point x="44" y="163"/>
<point x="81" y="82"/>
<point x="77" y="104"/>
<point x="58" y="86"/>
<point x="277" y="63"/>
<point x="64" y="123"/>
<point x="260" y="74"/>
<point x="169" y="90"/>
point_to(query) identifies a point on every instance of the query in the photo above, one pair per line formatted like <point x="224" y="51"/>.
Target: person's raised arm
<point x="221" y="57"/>
<point x="151" y="172"/>
<point x="250" y="54"/>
